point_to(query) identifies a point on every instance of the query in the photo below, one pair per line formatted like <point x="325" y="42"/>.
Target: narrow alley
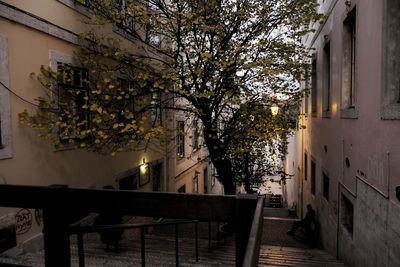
<point x="281" y="249"/>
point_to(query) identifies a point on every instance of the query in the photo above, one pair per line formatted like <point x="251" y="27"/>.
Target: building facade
<point x="34" y="34"/>
<point x="346" y="159"/>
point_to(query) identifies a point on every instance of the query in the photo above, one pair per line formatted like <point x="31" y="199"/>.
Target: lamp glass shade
<point x="274" y="110"/>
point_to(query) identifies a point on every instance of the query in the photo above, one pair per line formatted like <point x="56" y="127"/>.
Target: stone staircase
<point x="297" y="257"/>
<point x="280" y="249"/>
<point x="159" y="247"/>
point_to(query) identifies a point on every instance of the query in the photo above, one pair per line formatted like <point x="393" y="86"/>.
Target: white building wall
<point x="357" y="148"/>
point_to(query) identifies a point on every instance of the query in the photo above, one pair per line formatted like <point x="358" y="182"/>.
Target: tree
<point x="227" y="60"/>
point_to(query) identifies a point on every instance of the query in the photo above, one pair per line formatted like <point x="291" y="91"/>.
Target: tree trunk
<point x="247" y="174"/>
<point x="223" y="166"/>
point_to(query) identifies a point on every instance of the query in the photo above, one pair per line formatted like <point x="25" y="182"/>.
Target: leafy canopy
<point x="222" y="62"/>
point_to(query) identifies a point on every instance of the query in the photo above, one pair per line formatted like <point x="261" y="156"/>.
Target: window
<point x="205" y="176"/>
<point x="156" y="175"/>
<point x="125" y="108"/>
<point x="348" y="102"/>
<point x="314" y="86"/>
<point x="306" y="97"/>
<point x="327" y="79"/>
<point x="196" y="135"/>
<point x="325" y="185"/>
<point x="347" y="214"/>
<point x="180" y="139"/>
<point x="127" y="22"/>
<point x="73" y="98"/>
<point x="390" y="99"/>
<point x="305" y="166"/>
<point x="196" y="183"/>
<point x="313" y="176"/>
<point x="156" y="109"/>
<point x="5" y="108"/>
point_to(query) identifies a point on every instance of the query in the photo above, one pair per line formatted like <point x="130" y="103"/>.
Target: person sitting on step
<point x="305" y="223"/>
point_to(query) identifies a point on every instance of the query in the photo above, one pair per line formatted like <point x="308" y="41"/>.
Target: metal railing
<point x="81" y="230"/>
<point x="60" y="204"/>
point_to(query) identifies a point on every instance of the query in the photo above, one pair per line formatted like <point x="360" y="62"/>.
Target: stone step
<point x="289" y="256"/>
<point x="160" y="251"/>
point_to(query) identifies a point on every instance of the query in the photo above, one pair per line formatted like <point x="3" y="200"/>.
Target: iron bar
<point x="197" y="240"/>
<point x="176" y="246"/>
<point x="142" y="247"/>
<point x="81" y="253"/>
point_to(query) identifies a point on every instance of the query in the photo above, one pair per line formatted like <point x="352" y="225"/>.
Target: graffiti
<point x="23" y="220"/>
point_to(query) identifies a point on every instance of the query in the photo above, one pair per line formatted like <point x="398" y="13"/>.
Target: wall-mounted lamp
<point x="274" y="109"/>
<point x="144" y="167"/>
<point x="144" y="172"/>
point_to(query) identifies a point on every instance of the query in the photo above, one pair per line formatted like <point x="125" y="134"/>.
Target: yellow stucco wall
<point x="35" y="161"/>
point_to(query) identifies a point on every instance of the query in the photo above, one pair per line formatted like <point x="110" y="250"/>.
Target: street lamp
<point x="274" y="109"/>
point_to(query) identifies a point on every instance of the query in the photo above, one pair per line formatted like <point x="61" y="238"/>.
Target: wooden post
<point x="244" y="212"/>
<point x="55" y="229"/>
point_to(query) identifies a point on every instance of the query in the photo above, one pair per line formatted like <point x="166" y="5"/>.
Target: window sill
<point x="76" y="6"/>
<point x="349" y="113"/>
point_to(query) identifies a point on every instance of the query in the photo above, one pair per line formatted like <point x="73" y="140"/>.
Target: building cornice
<point x="32" y="21"/>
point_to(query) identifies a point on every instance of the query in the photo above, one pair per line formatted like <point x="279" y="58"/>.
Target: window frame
<point x="127" y="24"/>
<point x="83" y="87"/>
<point x="349" y="66"/>
<point x="6" y="151"/>
<point x="325" y="185"/>
<point x="327" y="79"/>
<point x="314" y="85"/>
<point x="390" y="93"/>
<point x="313" y="177"/>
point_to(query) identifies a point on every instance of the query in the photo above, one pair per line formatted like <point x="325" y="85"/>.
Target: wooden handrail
<point x="115" y="227"/>
<point x="254" y="242"/>
<point x="61" y="205"/>
<point x="148" y="204"/>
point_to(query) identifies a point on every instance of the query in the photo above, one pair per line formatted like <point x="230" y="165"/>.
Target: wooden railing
<point x="254" y="242"/>
<point x="61" y="205"/>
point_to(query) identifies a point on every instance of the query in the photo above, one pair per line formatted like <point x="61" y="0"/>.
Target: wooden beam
<point x="153" y="204"/>
<point x="245" y="207"/>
